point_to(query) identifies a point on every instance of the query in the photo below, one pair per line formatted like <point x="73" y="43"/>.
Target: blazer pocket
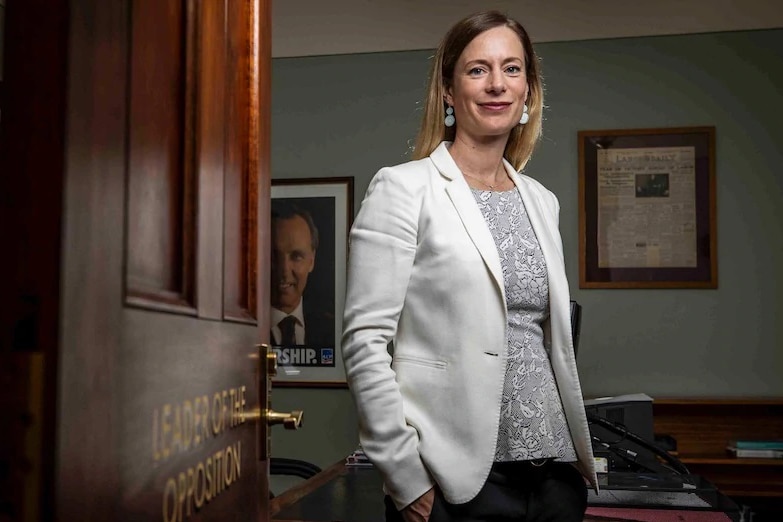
<point x="409" y="359"/>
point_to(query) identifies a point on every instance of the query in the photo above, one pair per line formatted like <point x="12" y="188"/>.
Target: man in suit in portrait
<point x="294" y="246"/>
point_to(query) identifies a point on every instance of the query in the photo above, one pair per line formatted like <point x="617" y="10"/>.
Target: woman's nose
<point x="496" y="82"/>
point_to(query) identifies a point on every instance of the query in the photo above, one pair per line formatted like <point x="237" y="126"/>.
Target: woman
<point x="457" y="260"/>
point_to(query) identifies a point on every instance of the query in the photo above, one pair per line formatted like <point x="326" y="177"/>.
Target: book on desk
<point x="756" y="449"/>
<point x="743" y="453"/>
<point x="768" y="444"/>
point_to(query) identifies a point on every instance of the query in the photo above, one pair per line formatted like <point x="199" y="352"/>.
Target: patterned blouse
<point x="532" y="422"/>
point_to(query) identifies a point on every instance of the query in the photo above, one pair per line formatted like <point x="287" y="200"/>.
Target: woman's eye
<point x="514" y="69"/>
<point x="476" y="71"/>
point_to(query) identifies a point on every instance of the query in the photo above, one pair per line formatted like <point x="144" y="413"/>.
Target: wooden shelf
<point x="704" y="427"/>
<point x="725" y="460"/>
<point x="718" y="401"/>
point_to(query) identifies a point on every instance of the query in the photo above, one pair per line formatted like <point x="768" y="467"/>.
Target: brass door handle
<point x="290" y="421"/>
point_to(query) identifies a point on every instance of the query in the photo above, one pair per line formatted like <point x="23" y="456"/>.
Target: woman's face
<point x="489" y="85"/>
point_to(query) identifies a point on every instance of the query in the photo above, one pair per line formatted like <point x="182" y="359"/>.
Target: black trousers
<point x="516" y="491"/>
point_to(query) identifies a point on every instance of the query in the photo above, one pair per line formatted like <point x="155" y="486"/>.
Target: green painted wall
<point x="349" y="115"/>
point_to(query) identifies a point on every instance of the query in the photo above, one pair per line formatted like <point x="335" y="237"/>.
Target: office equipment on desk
<point x="660" y="491"/>
<point x="634" y="411"/>
<point x="621" y="429"/>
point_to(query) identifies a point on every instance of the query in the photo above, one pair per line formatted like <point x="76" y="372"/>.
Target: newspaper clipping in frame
<point x="647" y="207"/>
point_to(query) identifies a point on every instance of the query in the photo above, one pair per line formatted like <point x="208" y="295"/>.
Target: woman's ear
<point x="447" y="97"/>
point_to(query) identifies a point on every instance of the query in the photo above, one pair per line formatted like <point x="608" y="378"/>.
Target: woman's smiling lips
<point x="494" y="106"/>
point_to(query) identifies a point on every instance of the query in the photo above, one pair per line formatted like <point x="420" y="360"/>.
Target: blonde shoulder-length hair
<point x="433" y="131"/>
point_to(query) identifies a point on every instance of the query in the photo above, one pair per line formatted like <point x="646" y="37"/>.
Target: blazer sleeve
<point x="382" y="250"/>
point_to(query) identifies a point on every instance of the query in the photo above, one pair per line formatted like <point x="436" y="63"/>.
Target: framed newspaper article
<point x="647" y="208"/>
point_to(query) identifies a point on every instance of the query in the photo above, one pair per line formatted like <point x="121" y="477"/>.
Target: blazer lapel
<point x="463" y="201"/>
<point x="546" y="237"/>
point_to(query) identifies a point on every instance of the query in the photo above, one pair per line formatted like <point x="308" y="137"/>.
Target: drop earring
<point x="525" y="116"/>
<point x="450" y="119"/>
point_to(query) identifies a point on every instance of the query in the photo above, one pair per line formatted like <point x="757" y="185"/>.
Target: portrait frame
<point x="647" y="208"/>
<point x="329" y="201"/>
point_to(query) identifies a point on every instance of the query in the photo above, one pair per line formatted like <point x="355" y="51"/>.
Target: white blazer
<point x="424" y="272"/>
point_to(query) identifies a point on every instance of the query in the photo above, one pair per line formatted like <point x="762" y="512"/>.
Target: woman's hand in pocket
<point x="420" y="509"/>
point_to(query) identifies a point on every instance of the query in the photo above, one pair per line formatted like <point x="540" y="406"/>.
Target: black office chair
<point x="576" y="323"/>
<point x="291" y="467"/>
<point x="295" y="467"/>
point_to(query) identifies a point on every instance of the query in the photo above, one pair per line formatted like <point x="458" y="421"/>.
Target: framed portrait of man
<point x="309" y="234"/>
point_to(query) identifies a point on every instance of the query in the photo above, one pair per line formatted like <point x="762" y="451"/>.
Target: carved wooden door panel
<point x="164" y="210"/>
<point x="152" y="384"/>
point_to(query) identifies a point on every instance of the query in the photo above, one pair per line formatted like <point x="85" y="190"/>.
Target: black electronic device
<point x="678" y="495"/>
<point x="627" y="451"/>
<point x="621" y="429"/>
<point x="633" y="411"/>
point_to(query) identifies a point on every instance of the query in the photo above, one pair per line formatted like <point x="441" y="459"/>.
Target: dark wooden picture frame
<point x="647" y="208"/>
<point x="314" y="360"/>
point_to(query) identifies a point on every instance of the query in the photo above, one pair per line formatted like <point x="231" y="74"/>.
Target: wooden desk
<point x="348" y="494"/>
<point x="337" y="493"/>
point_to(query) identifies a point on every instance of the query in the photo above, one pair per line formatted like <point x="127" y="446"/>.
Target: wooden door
<point x="139" y="258"/>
